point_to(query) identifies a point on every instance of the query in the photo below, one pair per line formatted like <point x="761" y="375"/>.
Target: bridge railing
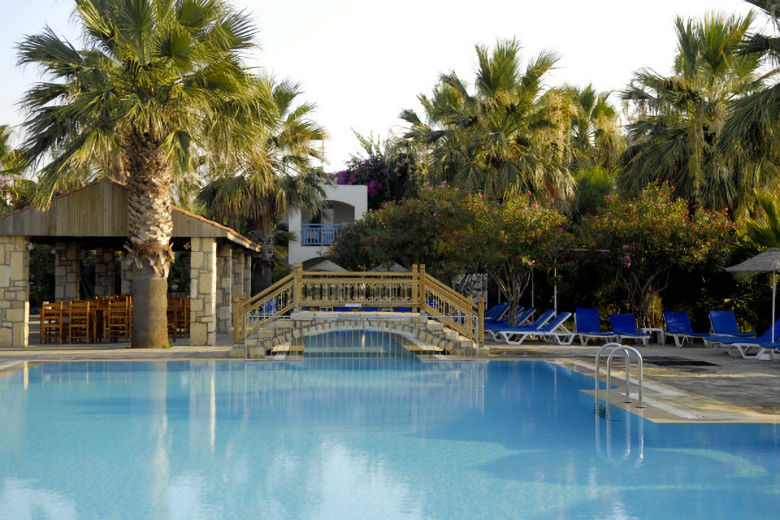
<point x="410" y="291"/>
<point x="251" y="315"/>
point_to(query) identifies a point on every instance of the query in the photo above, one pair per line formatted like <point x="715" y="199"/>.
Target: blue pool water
<point x="359" y="439"/>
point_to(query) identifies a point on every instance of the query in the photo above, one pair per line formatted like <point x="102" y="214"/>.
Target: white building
<point x="314" y="233"/>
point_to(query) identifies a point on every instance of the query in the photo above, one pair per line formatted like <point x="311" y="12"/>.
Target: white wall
<point x="355" y="195"/>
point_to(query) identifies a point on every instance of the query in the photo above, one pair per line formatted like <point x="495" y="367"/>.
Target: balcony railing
<point x="320" y="234"/>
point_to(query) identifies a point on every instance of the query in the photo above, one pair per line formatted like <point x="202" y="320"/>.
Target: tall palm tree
<point x="507" y="136"/>
<point x="269" y="173"/>
<point x="596" y="136"/>
<point x="679" y="119"/>
<point x="149" y="74"/>
<point x="754" y="123"/>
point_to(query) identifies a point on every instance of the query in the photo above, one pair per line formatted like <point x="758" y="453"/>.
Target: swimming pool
<point x="359" y="438"/>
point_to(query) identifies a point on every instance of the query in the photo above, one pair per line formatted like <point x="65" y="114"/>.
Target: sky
<point x="362" y="62"/>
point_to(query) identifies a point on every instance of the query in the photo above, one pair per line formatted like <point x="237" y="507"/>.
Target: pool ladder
<point x="628" y="353"/>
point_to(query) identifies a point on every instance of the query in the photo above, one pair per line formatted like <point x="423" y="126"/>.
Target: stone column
<point x="14" y="292"/>
<point x="105" y="271"/>
<point x="67" y="271"/>
<point x="225" y="289"/>
<point x="238" y="273"/>
<point x="203" y="291"/>
<point x="248" y="274"/>
<point x="126" y="275"/>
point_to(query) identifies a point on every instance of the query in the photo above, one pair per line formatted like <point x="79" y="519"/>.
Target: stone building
<point x="95" y="218"/>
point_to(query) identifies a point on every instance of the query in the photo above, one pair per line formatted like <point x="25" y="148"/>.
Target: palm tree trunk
<point x="264" y="261"/>
<point x="150" y="226"/>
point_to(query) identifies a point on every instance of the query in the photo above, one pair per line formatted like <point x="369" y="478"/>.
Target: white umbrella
<point x="768" y="261"/>
<point x="392" y="267"/>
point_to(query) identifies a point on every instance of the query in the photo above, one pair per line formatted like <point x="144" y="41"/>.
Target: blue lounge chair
<point x="523" y="316"/>
<point x="725" y="324"/>
<point x="551" y="329"/>
<point x="496" y="312"/>
<point x="588" y="326"/>
<point x="523" y="331"/>
<point x="624" y="326"/>
<point x="678" y="326"/>
<point x="369" y="309"/>
<point x="765" y="343"/>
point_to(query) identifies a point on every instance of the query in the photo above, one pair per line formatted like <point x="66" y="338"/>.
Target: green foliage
<point x="160" y="69"/>
<point x="454" y="232"/>
<point x="679" y="120"/>
<point x="643" y="238"/>
<point x="507" y="136"/>
<point x="509" y="239"/>
<point x="422" y="230"/>
<point x="388" y="169"/>
<point x="765" y="233"/>
<point x="593" y="185"/>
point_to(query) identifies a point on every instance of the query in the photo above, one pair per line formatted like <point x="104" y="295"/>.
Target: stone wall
<point x="126" y="274"/>
<point x="14" y="292"/>
<point x="238" y="273"/>
<point x="225" y="289"/>
<point x="248" y="275"/>
<point x="67" y="271"/>
<point x="428" y="336"/>
<point x="203" y="291"/>
<point x="105" y="271"/>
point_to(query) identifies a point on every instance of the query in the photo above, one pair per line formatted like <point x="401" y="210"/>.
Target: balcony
<point x="320" y="234"/>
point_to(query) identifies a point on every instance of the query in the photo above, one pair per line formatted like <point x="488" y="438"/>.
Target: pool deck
<point x="689" y="384"/>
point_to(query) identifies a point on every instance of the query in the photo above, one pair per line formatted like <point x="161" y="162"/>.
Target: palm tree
<point x="270" y="173"/>
<point x="679" y="119"/>
<point x="765" y="233"/>
<point x="596" y="136"/>
<point x="753" y="126"/>
<point x="134" y="100"/>
<point x="508" y="136"/>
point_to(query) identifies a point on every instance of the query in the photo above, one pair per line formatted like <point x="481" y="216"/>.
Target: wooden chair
<point x="173" y="318"/>
<point x="119" y="323"/>
<point x="51" y="322"/>
<point x="79" y="324"/>
<point x="183" y="323"/>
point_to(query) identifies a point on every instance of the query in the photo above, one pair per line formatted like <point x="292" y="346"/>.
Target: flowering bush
<point x="642" y="239"/>
<point x="512" y="237"/>
<point x="454" y="232"/>
<point x="374" y="173"/>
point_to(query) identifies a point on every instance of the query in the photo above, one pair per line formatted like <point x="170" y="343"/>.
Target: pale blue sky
<point x="362" y="62"/>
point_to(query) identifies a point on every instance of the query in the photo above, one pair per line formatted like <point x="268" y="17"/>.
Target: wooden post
<point x="298" y="286"/>
<point x="237" y="320"/>
<point x="481" y="321"/>
<point x="415" y="288"/>
<point x="421" y="277"/>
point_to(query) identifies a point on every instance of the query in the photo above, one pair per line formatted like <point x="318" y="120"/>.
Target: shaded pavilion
<point x="95" y="218"/>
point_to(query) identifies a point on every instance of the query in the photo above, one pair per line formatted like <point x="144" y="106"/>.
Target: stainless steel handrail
<point x="627" y="352"/>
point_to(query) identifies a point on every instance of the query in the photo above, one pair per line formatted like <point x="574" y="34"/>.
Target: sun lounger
<point x="588" y="326"/>
<point x="523" y="316"/>
<point x="678" y="326"/>
<point x="496" y="312"/>
<point x="725" y="324"/>
<point x="763" y="344"/>
<point x="516" y="335"/>
<point x="624" y="326"/>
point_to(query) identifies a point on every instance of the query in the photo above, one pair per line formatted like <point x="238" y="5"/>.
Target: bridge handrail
<point x="276" y="300"/>
<point x="452" y="308"/>
<point x="416" y="290"/>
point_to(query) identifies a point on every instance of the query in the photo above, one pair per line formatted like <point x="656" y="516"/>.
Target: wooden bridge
<point x="413" y="293"/>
